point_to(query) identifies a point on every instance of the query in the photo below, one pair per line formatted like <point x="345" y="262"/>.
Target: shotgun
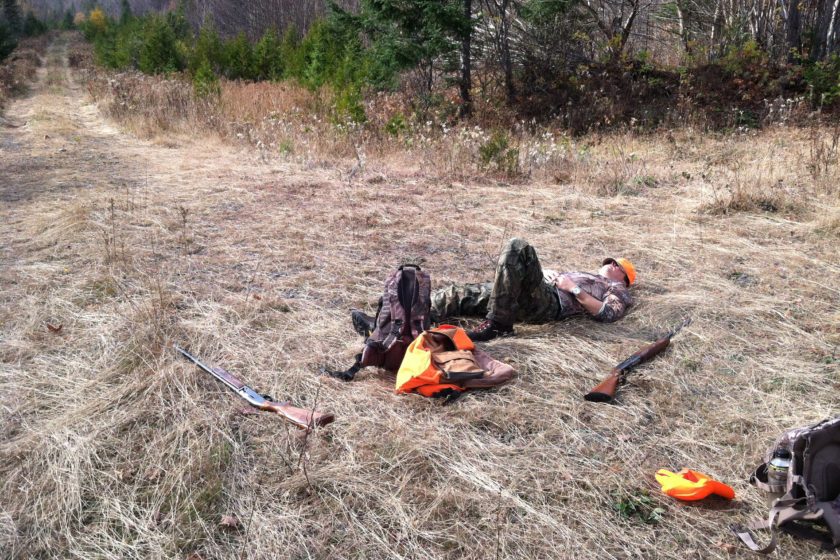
<point x="605" y="391"/>
<point x="302" y="418"/>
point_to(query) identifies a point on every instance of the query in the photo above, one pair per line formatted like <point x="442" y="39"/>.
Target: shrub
<point x="823" y="79"/>
<point x="396" y="125"/>
<point x="497" y="152"/>
<point x="748" y="62"/>
<point x="97" y="22"/>
<point x="349" y="105"/>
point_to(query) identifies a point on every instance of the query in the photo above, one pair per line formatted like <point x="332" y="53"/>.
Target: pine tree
<point x="7" y="40"/>
<point x="11" y="11"/>
<point x="411" y="33"/>
<point x="125" y="12"/>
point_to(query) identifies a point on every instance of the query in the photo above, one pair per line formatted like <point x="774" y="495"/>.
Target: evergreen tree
<point x="67" y="21"/>
<point x="291" y="54"/>
<point x="268" y="65"/>
<point x="32" y="26"/>
<point x="239" y="58"/>
<point x="7" y="40"/>
<point x="159" y="51"/>
<point x="11" y="11"/>
<point x="208" y="51"/>
<point x="125" y="12"/>
<point x="410" y="33"/>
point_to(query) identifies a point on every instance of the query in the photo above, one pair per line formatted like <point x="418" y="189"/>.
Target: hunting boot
<point x="488" y="330"/>
<point x="362" y="323"/>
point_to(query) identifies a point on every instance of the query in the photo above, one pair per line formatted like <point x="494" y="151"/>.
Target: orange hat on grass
<point x="691" y="485"/>
<point x="626" y="266"/>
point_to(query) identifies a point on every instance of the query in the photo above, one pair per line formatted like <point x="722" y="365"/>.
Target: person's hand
<point x="552" y="277"/>
<point x="564" y="283"/>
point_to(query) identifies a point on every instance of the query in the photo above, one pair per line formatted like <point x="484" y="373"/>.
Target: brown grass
<point x="113" y="447"/>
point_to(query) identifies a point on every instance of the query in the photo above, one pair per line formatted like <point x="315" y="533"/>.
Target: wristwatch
<point x="576" y="291"/>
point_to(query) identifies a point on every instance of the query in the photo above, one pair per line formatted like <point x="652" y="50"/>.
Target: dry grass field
<point x="131" y="238"/>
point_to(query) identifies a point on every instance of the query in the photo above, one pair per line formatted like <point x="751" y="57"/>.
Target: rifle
<point x="300" y="417"/>
<point x="605" y="391"/>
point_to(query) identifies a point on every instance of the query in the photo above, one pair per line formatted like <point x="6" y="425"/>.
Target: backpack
<point x="404" y="313"/>
<point x="812" y="489"/>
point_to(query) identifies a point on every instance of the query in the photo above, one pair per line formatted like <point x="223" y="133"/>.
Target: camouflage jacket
<point x="615" y="296"/>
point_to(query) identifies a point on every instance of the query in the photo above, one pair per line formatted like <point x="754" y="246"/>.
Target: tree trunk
<point x="504" y="47"/>
<point x="830" y="33"/>
<point x="466" y="78"/>
<point x="793" y="30"/>
<point x="626" y="29"/>
<point x="717" y="30"/>
<point x="820" y="30"/>
<point x="683" y="29"/>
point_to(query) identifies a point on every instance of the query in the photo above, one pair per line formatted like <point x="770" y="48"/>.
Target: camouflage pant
<point x="519" y="292"/>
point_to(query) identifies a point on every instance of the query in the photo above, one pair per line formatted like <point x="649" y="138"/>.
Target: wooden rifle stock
<point x="605" y="391"/>
<point x="302" y="418"/>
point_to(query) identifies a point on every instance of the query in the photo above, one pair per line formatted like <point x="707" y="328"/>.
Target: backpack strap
<point x="831" y="516"/>
<point x="783" y="510"/>
<point x="421" y="307"/>
<point x="401" y="290"/>
<point x="346" y="375"/>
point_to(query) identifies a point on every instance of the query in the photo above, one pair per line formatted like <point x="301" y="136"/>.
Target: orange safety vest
<point x="418" y="371"/>
<point x="691" y="485"/>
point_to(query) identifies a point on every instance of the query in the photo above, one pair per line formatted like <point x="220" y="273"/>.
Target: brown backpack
<point x="403" y="314"/>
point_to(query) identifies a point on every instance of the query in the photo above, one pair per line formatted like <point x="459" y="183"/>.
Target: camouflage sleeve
<point x="616" y="301"/>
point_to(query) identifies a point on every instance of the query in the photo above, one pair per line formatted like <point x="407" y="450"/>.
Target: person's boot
<point x="362" y="322"/>
<point x="488" y="330"/>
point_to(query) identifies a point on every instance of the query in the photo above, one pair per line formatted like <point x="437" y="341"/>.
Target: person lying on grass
<point x="523" y="292"/>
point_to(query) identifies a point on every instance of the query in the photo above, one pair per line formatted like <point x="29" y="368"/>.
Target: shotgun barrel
<point x="300" y="417"/>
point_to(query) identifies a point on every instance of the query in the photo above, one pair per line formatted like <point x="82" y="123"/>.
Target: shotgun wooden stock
<point x="606" y="389"/>
<point x="302" y="418"/>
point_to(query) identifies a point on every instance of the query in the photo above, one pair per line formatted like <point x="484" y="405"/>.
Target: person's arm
<point x="612" y="308"/>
